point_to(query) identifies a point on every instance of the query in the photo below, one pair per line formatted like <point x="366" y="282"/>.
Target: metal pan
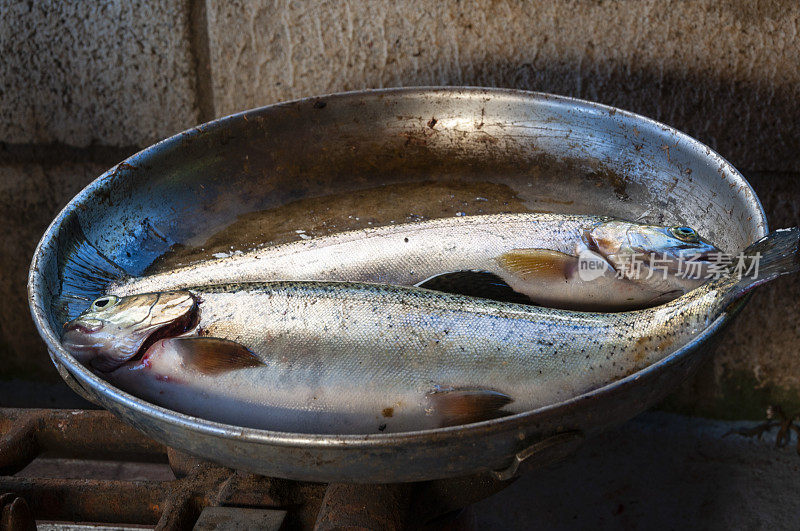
<point x="546" y="152"/>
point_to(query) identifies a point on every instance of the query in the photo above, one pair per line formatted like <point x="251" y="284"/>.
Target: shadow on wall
<point x="740" y="120"/>
<point x="756" y="127"/>
<point x="725" y="73"/>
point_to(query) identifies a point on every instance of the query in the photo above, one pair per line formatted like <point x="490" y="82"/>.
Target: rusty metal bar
<point x="18" y="446"/>
<point x="350" y="506"/>
<point x="15" y="515"/>
<point x="172" y="504"/>
<point x="28" y="433"/>
<point x="77" y="433"/>
<point x="180" y="512"/>
<point x="91" y="500"/>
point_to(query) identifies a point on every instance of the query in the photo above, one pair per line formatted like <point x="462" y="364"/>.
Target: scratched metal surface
<point x="550" y="153"/>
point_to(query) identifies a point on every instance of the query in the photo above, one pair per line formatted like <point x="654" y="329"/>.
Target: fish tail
<point x="84" y="271"/>
<point x="774" y="255"/>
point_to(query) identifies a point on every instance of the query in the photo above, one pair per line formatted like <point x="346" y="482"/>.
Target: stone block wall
<point x="82" y="85"/>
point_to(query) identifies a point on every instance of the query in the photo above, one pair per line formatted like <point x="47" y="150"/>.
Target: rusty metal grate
<point x="28" y="434"/>
<point x="197" y="494"/>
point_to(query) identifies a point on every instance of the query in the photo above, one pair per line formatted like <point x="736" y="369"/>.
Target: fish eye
<point x="685" y="234"/>
<point x="104" y="302"/>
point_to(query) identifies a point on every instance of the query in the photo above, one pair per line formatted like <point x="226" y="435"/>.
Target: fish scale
<point x="393" y="254"/>
<point x="337" y="355"/>
<point x="413" y="253"/>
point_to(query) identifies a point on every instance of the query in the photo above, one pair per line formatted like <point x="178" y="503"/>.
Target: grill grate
<point x="28" y="434"/>
<point x="194" y="493"/>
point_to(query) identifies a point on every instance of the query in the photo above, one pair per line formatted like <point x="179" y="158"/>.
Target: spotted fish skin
<point x="409" y="254"/>
<point x="338" y="356"/>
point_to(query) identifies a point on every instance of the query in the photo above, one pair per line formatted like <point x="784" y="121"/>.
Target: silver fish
<point x="537" y="255"/>
<point x="328" y="357"/>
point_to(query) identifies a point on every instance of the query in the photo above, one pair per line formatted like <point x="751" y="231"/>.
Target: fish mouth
<point x="705" y="255"/>
<point x="74" y="326"/>
<point x="179" y="326"/>
<point x="78" y="338"/>
<point x="680" y="253"/>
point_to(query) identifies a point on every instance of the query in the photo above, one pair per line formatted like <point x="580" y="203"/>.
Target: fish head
<point x="678" y="252"/>
<point x="114" y="330"/>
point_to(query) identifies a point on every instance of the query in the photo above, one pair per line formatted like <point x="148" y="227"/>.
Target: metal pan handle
<point x="541" y="453"/>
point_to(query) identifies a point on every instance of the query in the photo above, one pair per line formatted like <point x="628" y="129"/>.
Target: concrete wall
<point x="81" y="73"/>
<point x="129" y="73"/>
<point x="724" y="72"/>
<point x="82" y="85"/>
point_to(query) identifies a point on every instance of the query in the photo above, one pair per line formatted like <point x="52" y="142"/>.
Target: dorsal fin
<point x="544" y="264"/>
<point x="455" y="406"/>
<point x="213" y="355"/>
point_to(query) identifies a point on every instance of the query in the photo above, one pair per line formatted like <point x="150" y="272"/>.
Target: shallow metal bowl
<point x="549" y="152"/>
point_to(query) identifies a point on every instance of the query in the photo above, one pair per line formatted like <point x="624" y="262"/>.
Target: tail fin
<point x="774" y="255"/>
<point x="84" y="272"/>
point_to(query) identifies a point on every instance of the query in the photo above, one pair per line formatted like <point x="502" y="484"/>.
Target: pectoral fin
<point x="465" y="405"/>
<point x="539" y="264"/>
<point x="212" y="355"/>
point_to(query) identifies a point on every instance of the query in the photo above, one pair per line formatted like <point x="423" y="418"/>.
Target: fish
<point x="357" y="358"/>
<point x="538" y="256"/>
